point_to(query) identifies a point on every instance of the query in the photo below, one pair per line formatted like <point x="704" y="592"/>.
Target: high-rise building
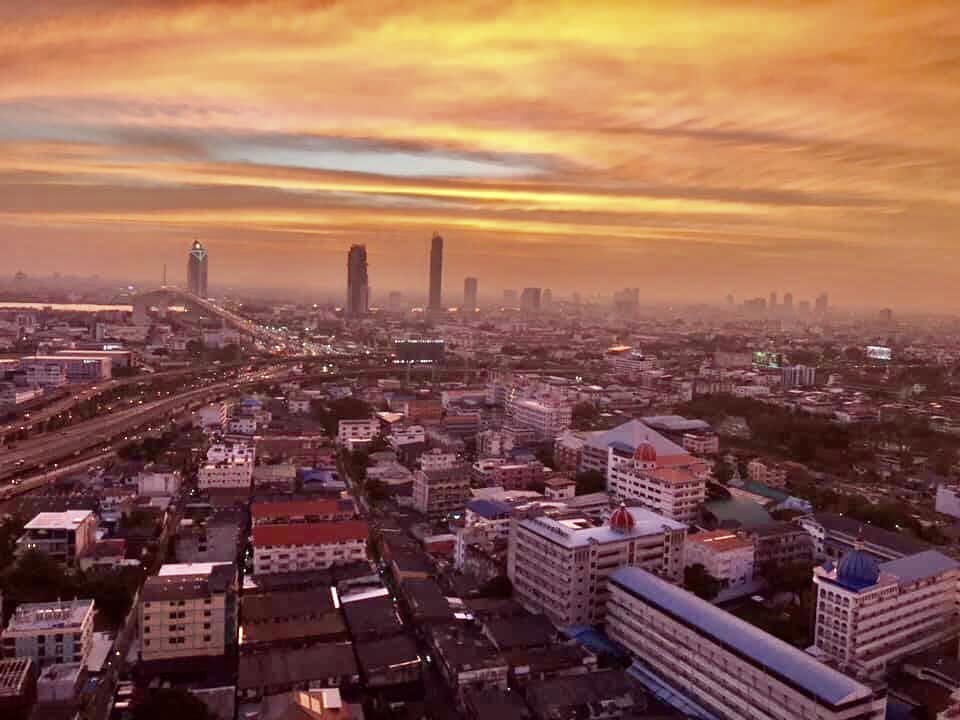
<point x="197" y="270"/>
<point x="530" y="299"/>
<point x="470" y="294"/>
<point x="546" y="299"/>
<point x="772" y="304"/>
<point x="822" y="303"/>
<point x="509" y="298"/>
<point x="358" y="284"/>
<point x="788" y="303"/>
<point x="436" y="273"/>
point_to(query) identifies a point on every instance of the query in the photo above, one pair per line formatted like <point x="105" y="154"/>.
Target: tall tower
<point x="436" y="273"/>
<point x="788" y="303"/>
<point x="470" y="294"/>
<point x="358" y="284"/>
<point x="773" y="301"/>
<point x="197" y="270"/>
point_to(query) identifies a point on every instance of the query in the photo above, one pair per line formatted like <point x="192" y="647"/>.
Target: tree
<point x="793" y="578"/>
<point x="377" y="490"/>
<point x="701" y="583"/>
<point x="590" y="481"/>
<point x="172" y="703"/>
<point x="585" y="414"/>
<point x="499" y="587"/>
<point x="723" y="472"/>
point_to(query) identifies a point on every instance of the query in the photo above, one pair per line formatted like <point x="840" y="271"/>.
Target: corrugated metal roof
<point x="729" y="631"/>
<point x="633" y="433"/>
<point x="919" y="566"/>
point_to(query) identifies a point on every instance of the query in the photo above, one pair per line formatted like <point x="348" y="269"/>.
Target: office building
<point x="438" y="493"/>
<point x="712" y="664"/>
<point x="530" y="300"/>
<point x="470" y="294"/>
<point x="547" y="419"/>
<point x="197" y="270"/>
<point x="726" y="556"/>
<point x="436" y="274"/>
<point x="76" y="368"/>
<point x="64" y="536"/>
<point x="189" y="610"/>
<point x="772" y="304"/>
<point x="358" y="284"/>
<point x="798" y="376"/>
<point x="300" y="547"/>
<point x="559" y="565"/>
<point x="674" y="486"/>
<point x="510" y="298"/>
<point x="50" y="633"/>
<point x="872" y="614"/>
<point x="788" y="303"/>
<point x="821" y="304"/>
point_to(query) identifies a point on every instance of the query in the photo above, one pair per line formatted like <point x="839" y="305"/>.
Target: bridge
<point x="163" y="297"/>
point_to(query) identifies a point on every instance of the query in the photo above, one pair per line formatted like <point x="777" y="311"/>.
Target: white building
<point x="352" y="432"/>
<point x="213" y="416"/>
<point x="188" y="610"/>
<point x="437" y="459"/>
<point x="718" y="666"/>
<point x="242" y="425"/>
<point x="632" y="363"/>
<point x="559" y="565"/>
<point x="78" y="368"/>
<point x="159" y="481"/>
<point x="298" y="405"/>
<point x="438" y="493"/>
<point x="727" y="556"/>
<point x="64" y="536"/>
<point x="674" y="486"/>
<point x="701" y="443"/>
<point x="11" y="394"/>
<point x="546" y="419"/>
<point x="231" y="452"/>
<point x="308" y="546"/>
<point x="51" y="633"/>
<point x="406" y="435"/>
<point x="235" y="473"/>
<point x="872" y="614"/>
<point x="798" y="376"/>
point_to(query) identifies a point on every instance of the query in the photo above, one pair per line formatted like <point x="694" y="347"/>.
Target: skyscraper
<point x="788" y="303"/>
<point x="197" y="270"/>
<point x="772" y="305"/>
<point x="436" y="273"/>
<point x="822" y="303"/>
<point x="470" y="294"/>
<point x="530" y="299"/>
<point x="358" y="285"/>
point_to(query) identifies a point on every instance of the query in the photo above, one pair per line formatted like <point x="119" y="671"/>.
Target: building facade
<point x="64" y="536"/>
<point x="197" y="270"/>
<point x="435" y="301"/>
<point x="546" y="419"/>
<point x="358" y="284"/>
<point x="301" y="547"/>
<point x="722" y="665"/>
<point x="438" y="493"/>
<point x="50" y="633"/>
<point x="675" y="487"/>
<point x="727" y="556"/>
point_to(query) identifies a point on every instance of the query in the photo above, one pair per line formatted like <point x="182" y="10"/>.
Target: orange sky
<point x="687" y="148"/>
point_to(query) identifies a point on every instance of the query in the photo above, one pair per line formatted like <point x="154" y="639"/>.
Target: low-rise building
<point x="438" y="493"/>
<point x="18" y="688"/>
<point x="872" y="614"/>
<point x="836" y="535"/>
<point x="467" y="659"/>
<point x="497" y="472"/>
<point x="948" y="500"/>
<point x="717" y="665"/>
<point x="779" y="544"/>
<point x="674" y="486"/>
<point x="726" y="556"/>
<point x="353" y="432"/>
<point x="767" y="473"/>
<point x="308" y="546"/>
<point x="188" y="610"/>
<point x="50" y="633"/>
<point x="701" y="443"/>
<point x="64" y="536"/>
<point x="437" y="459"/>
<point x="292" y="512"/>
<point x="559" y="565"/>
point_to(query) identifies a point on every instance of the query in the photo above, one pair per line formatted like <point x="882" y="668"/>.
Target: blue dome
<point x="858" y="570"/>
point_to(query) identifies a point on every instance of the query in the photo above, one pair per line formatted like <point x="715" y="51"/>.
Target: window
<point x="206" y="626"/>
<point x="206" y="638"/>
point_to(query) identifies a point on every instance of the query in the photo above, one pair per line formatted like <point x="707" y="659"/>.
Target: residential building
<point x="767" y="473"/>
<point x="50" y="633"/>
<point x="568" y="450"/>
<point x="470" y="294"/>
<point x="497" y="472"/>
<point x="872" y="614"/>
<point x="308" y="546"/>
<point x="157" y="480"/>
<point x="437" y="459"/>
<point x="713" y="664"/>
<point x="215" y="539"/>
<point x="189" y="610"/>
<point x="559" y="565"/>
<point x="602" y="695"/>
<point x="798" y="376"/>
<point x="18" y="688"/>
<point x="674" y="486"/>
<point x="64" y="536"/>
<point x="559" y="488"/>
<point x="467" y="659"/>
<point x="546" y="418"/>
<point x="438" y="493"/>
<point x="948" y="500"/>
<point x="701" y="443"/>
<point x="287" y="512"/>
<point x="236" y="473"/>
<point x="631" y="364"/>
<point x="726" y="556"/>
<point x="352" y="432"/>
<point x="780" y="544"/>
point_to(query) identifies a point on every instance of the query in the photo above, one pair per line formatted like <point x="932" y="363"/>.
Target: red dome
<point x="645" y="452"/>
<point x="621" y="520"/>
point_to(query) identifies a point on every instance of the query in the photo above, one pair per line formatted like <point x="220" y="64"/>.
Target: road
<point x="76" y="439"/>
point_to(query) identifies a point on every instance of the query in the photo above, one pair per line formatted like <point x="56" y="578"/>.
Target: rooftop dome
<point x="858" y="570"/>
<point x="645" y="452"/>
<point x="621" y="520"/>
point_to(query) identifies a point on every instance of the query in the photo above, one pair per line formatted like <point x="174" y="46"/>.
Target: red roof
<point x="300" y="508"/>
<point x="322" y="533"/>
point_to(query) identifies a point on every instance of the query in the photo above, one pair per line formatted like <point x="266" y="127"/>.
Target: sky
<point x="690" y="149"/>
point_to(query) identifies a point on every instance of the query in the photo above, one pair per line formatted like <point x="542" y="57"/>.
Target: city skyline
<point x="717" y="146"/>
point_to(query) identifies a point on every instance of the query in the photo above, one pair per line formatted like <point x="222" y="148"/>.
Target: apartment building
<point x="352" y="432"/>
<point x="546" y="419"/>
<point x="872" y="614"/>
<point x="674" y="486"/>
<point x="64" y="536"/>
<point x="559" y="565"/>
<point x="719" y="666"/>
<point x="286" y="512"/>
<point x="438" y="493"/>
<point x="727" y="556"/>
<point x="236" y="474"/>
<point x="779" y="544"/>
<point x="159" y="481"/>
<point x="497" y="472"/>
<point x="78" y="368"/>
<point x="50" y="633"/>
<point x="189" y="610"/>
<point x="300" y="547"/>
<point x="437" y="459"/>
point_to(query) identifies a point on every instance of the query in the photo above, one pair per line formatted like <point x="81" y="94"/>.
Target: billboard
<point x="764" y="359"/>
<point x="879" y="352"/>
<point x="418" y="352"/>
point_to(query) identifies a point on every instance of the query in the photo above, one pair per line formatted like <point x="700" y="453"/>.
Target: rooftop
<point x="14" y="674"/>
<point x="187" y="581"/>
<point x="67" y="520"/>
<point x="300" y="508"/>
<point x="920" y="566"/>
<point x="675" y="423"/>
<point x="30" y="617"/>
<point x="720" y="540"/>
<point x="784" y="661"/>
<point x="900" y="543"/>
<point x="322" y="533"/>
<point x="633" y="434"/>
<point x="579" y="530"/>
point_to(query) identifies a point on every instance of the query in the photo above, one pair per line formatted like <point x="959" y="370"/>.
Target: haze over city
<point x="690" y="149"/>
